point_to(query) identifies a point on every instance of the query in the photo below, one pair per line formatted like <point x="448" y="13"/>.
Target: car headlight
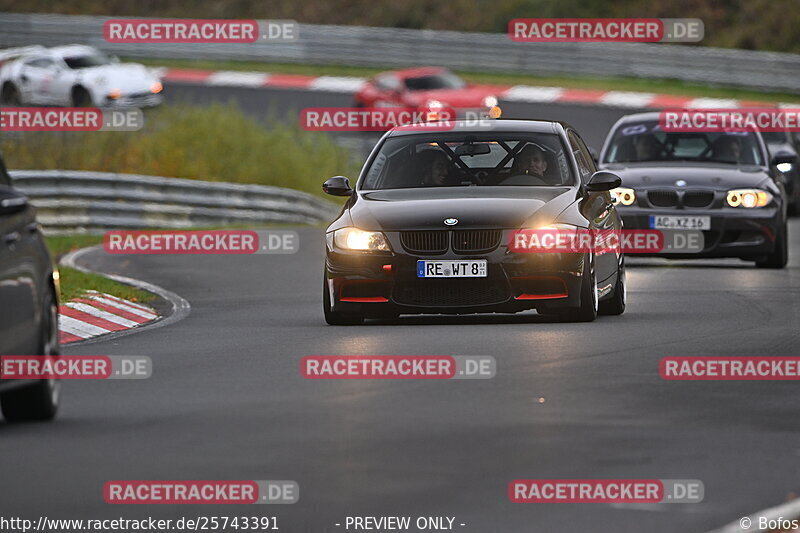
<point x="785" y="167"/>
<point x="114" y="94"/>
<point x="623" y="195"/>
<point x="434" y="104"/>
<point x="748" y="198"/>
<point x="490" y="101"/>
<point x="359" y="240"/>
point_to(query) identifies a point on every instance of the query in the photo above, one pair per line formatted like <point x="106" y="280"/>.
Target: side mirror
<point x="11" y="201"/>
<point x="602" y="181"/>
<point x="783" y="157"/>
<point x="337" y="186"/>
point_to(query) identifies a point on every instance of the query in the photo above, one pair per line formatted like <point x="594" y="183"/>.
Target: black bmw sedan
<point x="427" y="227"/>
<point x="28" y="305"/>
<point x="721" y="183"/>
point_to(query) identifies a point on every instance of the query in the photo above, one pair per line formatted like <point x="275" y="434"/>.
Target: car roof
<point x="72" y="49"/>
<point x="416" y="71"/>
<point x="505" y="126"/>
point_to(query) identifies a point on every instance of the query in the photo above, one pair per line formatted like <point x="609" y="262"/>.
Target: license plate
<point x="676" y="222"/>
<point x="451" y="269"/>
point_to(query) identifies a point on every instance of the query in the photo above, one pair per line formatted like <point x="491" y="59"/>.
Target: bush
<point x="214" y="143"/>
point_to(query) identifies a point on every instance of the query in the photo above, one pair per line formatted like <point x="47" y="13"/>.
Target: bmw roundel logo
<point x="681" y="183"/>
<point x="451" y="221"/>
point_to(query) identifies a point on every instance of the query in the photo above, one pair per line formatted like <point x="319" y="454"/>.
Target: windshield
<point x="462" y="160"/>
<point x="87" y="61"/>
<point x="646" y="141"/>
<point x="442" y="80"/>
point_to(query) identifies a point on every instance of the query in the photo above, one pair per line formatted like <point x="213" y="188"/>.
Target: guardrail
<point x="92" y="202"/>
<point x="394" y="47"/>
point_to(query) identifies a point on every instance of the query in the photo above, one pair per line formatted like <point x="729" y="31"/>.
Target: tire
<point x="10" y="95"/>
<point x="336" y="318"/>
<point x="587" y="311"/>
<point x="40" y="400"/>
<point x="780" y="256"/>
<point x="81" y="97"/>
<point x="616" y="304"/>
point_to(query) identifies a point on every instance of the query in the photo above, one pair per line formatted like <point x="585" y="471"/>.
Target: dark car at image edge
<point x="28" y="305"/>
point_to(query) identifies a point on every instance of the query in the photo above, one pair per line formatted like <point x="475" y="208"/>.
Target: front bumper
<point x="387" y="284"/>
<point x="735" y="232"/>
<point x="144" y="99"/>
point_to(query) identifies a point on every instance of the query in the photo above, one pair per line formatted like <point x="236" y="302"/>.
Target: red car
<point x="427" y="88"/>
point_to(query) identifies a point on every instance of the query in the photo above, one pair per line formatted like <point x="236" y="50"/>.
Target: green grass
<point x="664" y="86"/>
<point x="211" y="143"/>
<point x="75" y="283"/>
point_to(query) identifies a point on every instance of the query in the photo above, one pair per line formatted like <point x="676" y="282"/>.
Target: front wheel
<point x="779" y="257"/>
<point x="40" y="400"/>
<point x="587" y="311"/>
<point x="337" y="318"/>
<point x="10" y="95"/>
<point x="616" y="304"/>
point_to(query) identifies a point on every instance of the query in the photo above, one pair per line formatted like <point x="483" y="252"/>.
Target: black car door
<point x="19" y="291"/>
<point x="598" y="209"/>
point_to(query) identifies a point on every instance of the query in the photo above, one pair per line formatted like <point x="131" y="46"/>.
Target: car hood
<point x="474" y="207"/>
<point x="706" y="176"/>
<point x="470" y="96"/>
<point x="129" y="77"/>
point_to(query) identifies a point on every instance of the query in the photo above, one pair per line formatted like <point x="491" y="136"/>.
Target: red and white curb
<point x="516" y="93"/>
<point x="97" y="314"/>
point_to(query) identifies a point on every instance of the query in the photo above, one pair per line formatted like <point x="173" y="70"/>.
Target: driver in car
<point x="728" y="149"/>
<point x="434" y="166"/>
<point x="531" y="161"/>
<point x="647" y="148"/>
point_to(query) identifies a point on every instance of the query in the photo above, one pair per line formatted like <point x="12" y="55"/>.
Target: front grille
<point x="424" y="242"/>
<point x="451" y="292"/>
<point x="663" y="198"/>
<point x="698" y="198"/>
<point x="474" y="241"/>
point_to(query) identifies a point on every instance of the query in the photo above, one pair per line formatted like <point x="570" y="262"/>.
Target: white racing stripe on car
<point x="530" y="93"/>
<point x="238" y="79"/>
<point x="99" y="313"/>
<point x="627" y="99"/>
<point x="80" y="329"/>
<point x="337" y="84"/>
<point x="135" y="310"/>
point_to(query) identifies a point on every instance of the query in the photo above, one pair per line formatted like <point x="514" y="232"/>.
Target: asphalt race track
<point x="227" y="401"/>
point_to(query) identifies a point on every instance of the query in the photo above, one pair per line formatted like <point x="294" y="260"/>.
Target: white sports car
<point x="76" y="75"/>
